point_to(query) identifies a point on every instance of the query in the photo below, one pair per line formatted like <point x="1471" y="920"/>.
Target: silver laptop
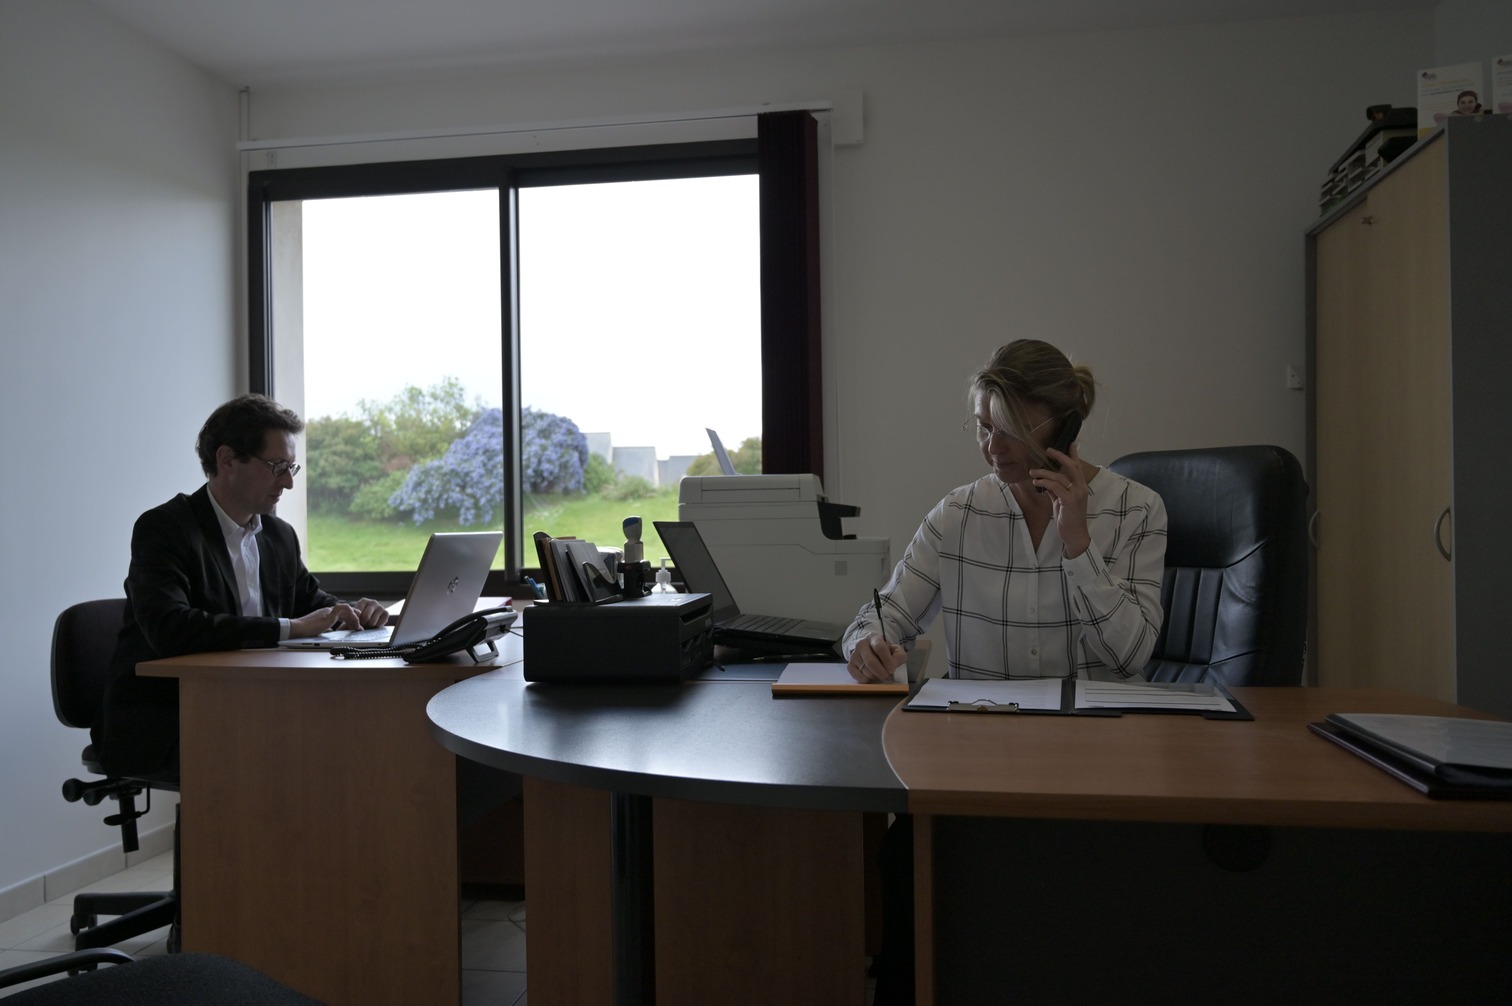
<point x="732" y="627"/>
<point x="446" y="587"/>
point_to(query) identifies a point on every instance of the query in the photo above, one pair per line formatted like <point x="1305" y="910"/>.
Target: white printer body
<point x="780" y="546"/>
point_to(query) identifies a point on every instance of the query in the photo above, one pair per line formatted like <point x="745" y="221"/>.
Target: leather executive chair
<point x="84" y="637"/>
<point x="1236" y="578"/>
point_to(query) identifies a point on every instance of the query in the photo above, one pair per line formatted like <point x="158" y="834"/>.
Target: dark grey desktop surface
<point x="723" y="741"/>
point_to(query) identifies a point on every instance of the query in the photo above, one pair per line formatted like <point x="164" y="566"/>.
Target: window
<point x="531" y="342"/>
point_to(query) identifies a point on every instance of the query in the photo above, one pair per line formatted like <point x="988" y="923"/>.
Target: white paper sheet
<point x="1145" y="695"/>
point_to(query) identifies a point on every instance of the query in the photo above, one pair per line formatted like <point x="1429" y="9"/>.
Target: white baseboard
<point x="70" y="877"/>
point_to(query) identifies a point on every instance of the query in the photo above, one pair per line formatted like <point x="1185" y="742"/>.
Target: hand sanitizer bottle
<point x="663" y="580"/>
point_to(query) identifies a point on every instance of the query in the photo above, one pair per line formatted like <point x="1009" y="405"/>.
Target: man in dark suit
<point x="213" y="570"/>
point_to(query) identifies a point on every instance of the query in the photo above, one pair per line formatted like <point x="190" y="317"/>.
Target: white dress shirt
<point x="246" y="562"/>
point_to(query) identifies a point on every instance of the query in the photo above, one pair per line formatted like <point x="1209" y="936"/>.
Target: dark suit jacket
<point x="181" y="598"/>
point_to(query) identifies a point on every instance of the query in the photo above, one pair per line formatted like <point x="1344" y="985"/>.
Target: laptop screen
<point x="726" y="466"/>
<point x="691" y="557"/>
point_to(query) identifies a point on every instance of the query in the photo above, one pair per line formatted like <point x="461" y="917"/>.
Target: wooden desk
<point x="1065" y="859"/>
<point x="318" y="821"/>
<point x="1366" y="882"/>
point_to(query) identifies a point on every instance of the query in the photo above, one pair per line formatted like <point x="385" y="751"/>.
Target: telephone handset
<point x="1069" y="430"/>
<point x="470" y="633"/>
<point x="1064" y="439"/>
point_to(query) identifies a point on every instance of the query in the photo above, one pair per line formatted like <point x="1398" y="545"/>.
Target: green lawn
<point x="346" y="544"/>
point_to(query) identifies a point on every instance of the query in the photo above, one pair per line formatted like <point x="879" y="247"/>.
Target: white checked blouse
<point x="1011" y="611"/>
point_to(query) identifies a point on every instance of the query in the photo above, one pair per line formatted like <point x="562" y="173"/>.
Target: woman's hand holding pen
<point x="1068" y="487"/>
<point x="874" y="658"/>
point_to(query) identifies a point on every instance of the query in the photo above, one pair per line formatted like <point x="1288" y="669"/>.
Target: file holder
<point x="1066" y="705"/>
<point x="658" y="638"/>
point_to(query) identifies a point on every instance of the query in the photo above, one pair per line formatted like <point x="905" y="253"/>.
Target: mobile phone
<point x="1065" y="438"/>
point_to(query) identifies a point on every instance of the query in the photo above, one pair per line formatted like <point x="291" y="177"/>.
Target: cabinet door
<point x="1385" y="601"/>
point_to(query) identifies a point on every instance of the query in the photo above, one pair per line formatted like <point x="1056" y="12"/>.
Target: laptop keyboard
<point x="358" y="636"/>
<point x="763" y="623"/>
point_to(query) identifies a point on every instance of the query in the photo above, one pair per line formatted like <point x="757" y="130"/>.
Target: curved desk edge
<point x="726" y="742"/>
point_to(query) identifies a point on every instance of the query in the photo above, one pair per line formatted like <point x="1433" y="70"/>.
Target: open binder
<point x="1440" y="756"/>
<point x="1075" y="697"/>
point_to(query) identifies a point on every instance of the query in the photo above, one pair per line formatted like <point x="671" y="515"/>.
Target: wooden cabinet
<point x="1410" y="339"/>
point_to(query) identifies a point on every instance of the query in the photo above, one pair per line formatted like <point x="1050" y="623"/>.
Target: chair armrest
<point x="62" y="964"/>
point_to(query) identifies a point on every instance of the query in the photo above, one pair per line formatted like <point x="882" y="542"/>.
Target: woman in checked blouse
<point x="1047" y="566"/>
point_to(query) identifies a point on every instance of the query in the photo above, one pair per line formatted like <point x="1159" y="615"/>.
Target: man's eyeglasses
<point x="985" y="433"/>
<point x="279" y="468"/>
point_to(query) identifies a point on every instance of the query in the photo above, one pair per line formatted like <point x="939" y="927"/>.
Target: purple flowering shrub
<point x="553" y="453"/>
<point x="468" y="480"/>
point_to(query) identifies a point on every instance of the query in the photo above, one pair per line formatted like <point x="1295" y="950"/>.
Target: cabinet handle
<point x="1438" y="536"/>
<point x="1312" y="529"/>
<point x="1368" y="221"/>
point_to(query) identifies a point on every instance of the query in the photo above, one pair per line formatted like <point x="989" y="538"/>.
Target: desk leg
<point x="634" y="918"/>
<point x="924" y="875"/>
<point x="568" y="884"/>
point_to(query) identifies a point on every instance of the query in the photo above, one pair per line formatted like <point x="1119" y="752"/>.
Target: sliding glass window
<point x="524" y="343"/>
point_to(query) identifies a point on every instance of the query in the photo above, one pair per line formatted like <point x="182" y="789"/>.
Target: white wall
<point x="1468" y="31"/>
<point x="1137" y="197"/>
<point x="117" y="265"/>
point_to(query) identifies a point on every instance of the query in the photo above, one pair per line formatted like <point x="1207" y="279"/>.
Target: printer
<point x="780" y="546"/>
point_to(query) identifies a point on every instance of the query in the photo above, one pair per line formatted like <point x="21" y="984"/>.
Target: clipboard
<point x="1071" y="697"/>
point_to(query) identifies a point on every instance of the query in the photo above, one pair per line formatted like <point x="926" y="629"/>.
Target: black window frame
<point x="508" y="174"/>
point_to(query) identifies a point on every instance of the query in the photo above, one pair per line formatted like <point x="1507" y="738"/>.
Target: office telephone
<point x="469" y="633"/>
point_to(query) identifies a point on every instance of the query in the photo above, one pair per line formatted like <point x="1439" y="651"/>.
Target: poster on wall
<point x="1449" y="90"/>
<point x="1501" y="84"/>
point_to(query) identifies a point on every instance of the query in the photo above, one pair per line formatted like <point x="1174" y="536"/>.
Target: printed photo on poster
<point x="1501" y="84"/>
<point x="1449" y="90"/>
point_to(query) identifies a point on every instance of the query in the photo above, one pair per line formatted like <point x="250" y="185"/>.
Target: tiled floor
<point x="493" y="936"/>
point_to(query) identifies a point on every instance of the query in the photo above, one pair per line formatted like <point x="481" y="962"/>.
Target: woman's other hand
<point x="1069" y="490"/>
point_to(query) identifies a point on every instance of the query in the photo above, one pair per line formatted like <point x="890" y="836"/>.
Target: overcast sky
<point x="640" y="311"/>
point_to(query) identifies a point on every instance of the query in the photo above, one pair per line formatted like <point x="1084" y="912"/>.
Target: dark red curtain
<point x="792" y="419"/>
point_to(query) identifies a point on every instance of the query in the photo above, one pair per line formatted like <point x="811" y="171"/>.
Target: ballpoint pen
<point x="877" y="601"/>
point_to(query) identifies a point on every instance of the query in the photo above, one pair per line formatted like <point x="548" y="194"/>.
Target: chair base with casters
<point x="136" y="912"/>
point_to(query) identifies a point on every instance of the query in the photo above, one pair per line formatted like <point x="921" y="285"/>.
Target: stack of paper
<point x="832" y="679"/>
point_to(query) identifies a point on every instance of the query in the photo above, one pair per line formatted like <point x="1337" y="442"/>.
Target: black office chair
<point x="175" y="980"/>
<point x="1236" y="580"/>
<point x="83" y="639"/>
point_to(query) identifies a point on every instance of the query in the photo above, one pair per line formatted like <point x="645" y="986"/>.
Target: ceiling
<point x="251" y="42"/>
